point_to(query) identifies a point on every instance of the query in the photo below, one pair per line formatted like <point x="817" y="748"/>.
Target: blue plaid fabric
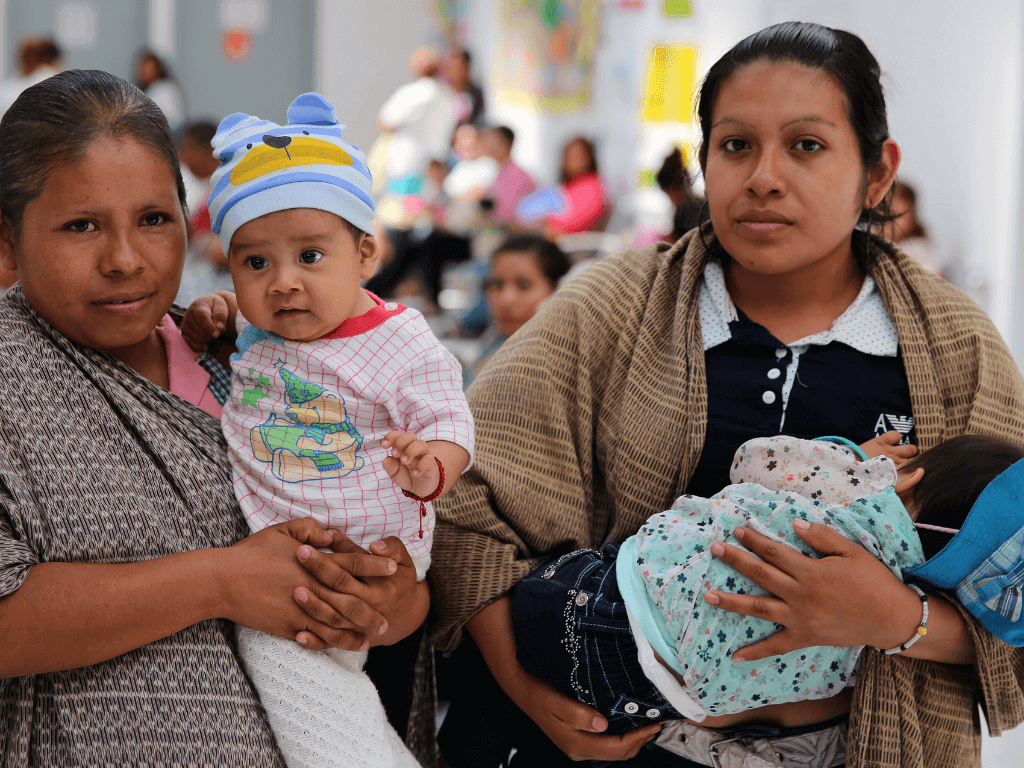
<point x="220" y="379"/>
<point x="997" y="583"/>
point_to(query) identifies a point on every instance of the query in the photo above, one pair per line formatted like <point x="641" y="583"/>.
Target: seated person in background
<point x="586" y="204"/>
<point x="642" y="604"/>
<point x="206" y="266"/>
<point x="513" y="183"/>
<point x="909" y="233"/>
<point x="674" y="179"/>
<point x="525" y="270"/>
<point x="467" y="183"/>
<point x="343" y="408"/>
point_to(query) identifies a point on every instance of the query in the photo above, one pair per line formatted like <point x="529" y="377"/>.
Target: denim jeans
<point x="572" y="632"/>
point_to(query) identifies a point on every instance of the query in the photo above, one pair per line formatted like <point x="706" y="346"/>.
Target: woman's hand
<point x="372" y="594"/>
<point x="575" y="728"/>
<point x="889" y="445"/>
<point x="266" y="587"/>
<point x="846" y="598"/>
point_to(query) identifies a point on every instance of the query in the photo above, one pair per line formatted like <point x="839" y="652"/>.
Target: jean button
<point x="581" y="599"/>
<point x="632" y="707"/>
<point x="653" y="713"/>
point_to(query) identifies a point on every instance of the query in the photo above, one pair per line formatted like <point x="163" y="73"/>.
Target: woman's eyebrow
<point x="807" y="119"/>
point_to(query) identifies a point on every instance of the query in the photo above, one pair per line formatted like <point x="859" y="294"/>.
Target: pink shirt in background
<point x="511" y="186"/>
<point x="189" y="380"/>
<point x="587" y="204"/>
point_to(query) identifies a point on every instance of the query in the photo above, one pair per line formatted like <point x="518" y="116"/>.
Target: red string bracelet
<point x="424" y="499"/>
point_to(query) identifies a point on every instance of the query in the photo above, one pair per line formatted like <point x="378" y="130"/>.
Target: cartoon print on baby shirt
<point x="315" y="441"/>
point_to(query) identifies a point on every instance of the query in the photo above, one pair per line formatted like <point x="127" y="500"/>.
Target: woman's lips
<point x="125" y="306"/>
<point x="763" y="227"/>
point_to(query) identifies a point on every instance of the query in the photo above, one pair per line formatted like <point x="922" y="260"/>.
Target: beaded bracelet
<point x="422" y="500"/>
<point x="922" y="628"/>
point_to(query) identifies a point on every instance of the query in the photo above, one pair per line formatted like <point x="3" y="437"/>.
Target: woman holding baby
<point x="636" y="383"/>
<point x="124" y="558"/>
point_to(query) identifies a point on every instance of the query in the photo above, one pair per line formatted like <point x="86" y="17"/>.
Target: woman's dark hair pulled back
<point x="841" y="55"/>
<point x="56" y="121"/>
<point x="553" y="261"/>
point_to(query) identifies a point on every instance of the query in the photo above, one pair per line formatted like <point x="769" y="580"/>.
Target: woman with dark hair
<point x="907" y="231"/>
<point x="582" y="188"/>
<point x="124" y="559"/>
<point x="525" y="271"/>
<point x="637" y="382"/>
<point x="153" y="77"/>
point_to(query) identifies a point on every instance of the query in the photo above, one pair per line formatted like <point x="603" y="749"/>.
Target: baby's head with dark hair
<point x="956" y="471"/>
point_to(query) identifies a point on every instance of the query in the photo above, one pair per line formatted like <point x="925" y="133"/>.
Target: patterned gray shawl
<point x="98" y="465"/>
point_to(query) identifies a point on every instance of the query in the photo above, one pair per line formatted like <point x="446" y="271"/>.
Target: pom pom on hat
<point x="265" y="167"/>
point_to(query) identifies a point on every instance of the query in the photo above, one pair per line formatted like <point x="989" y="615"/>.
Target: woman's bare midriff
<point x="790" y="715"/>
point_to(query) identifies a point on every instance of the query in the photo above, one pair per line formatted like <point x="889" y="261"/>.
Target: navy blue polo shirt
<point x="848" y="381"/>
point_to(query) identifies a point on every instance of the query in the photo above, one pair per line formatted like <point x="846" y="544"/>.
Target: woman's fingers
<point x="578" y="729"/>
<point x="341" y="572"/>
<point x="759" y="606"/>
<point x="770" y="566"/>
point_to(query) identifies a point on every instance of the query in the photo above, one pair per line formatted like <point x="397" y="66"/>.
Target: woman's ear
<point x="8" y="258"/>
<point x="906" y="484"/>
<point x="882" y="176"/>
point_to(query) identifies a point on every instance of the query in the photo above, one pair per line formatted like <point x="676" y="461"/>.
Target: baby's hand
<point x="411" y="465"/>
<point x="205" y="321"/>
<point x="889" y="445"/>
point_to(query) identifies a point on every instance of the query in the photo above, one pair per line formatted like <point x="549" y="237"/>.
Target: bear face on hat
<point x="266" y="167"/>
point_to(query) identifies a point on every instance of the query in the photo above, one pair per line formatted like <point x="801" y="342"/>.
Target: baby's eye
<point x="256" y="263"/>
<point x="154" y="219"/>
<point x="82" y="226"/>
<point x="310" y="257"/>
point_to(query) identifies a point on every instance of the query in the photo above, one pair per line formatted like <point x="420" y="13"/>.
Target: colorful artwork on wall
<point x="670" y="82"/>
<point x="678" y="9"/>
<point x="545" y="53"/>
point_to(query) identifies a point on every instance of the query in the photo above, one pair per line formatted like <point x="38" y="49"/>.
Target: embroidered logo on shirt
<point x="889" y="421"/>
<point x="315" y="441"/>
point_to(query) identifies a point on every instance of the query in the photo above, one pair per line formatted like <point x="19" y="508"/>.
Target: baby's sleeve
<point x="432" y="402"/>
<point x="16" y="557"/>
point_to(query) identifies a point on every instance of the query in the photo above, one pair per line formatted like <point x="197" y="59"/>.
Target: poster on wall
<point x="545" y="53"/>
<point x="670" y="83"/>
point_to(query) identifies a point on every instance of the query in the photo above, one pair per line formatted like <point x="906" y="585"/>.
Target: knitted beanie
<point x="265" y="167"/>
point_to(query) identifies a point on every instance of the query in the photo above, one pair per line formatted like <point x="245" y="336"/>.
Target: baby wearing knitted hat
<point x="343" y="407"/>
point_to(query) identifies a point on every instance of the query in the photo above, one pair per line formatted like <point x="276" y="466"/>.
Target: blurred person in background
<point x="909" y="233"/>
<point x="674" y="180"/>
<point x="512" y="183"/>
<point x="153" y="77"/>
<point x="469" y="97"/>
<point x="583" y="191"/>
<point x="468" y="182"/>
<point x="206" y="267"/>
<point x="38" y="58"/>
<point x="525" y="271"/>
<point x="420" y="118"/>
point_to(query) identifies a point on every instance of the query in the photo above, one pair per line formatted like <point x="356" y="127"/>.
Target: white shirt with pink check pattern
<point x="305" y="422"/>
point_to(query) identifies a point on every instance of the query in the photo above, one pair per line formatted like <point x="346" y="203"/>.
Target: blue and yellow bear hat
<point x="265" y="167"/>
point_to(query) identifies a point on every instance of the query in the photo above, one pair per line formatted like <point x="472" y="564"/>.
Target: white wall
<point x="362" y="56"/>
